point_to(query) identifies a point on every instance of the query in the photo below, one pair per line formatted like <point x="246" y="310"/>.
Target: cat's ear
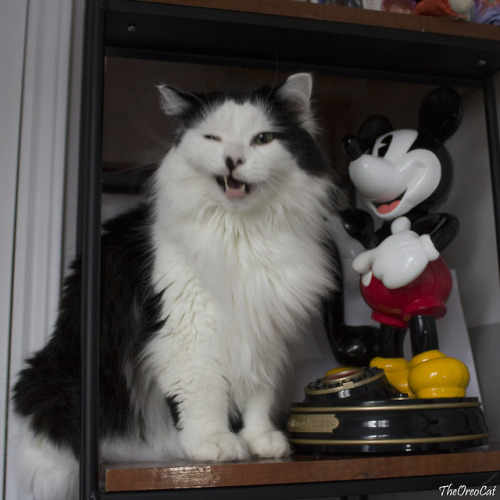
<point x="296" y="91"/>
<point x="174" y="102"/>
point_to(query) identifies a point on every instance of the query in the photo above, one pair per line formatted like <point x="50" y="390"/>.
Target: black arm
<point x="359" y="225"/>
<point x="442" y="228"/>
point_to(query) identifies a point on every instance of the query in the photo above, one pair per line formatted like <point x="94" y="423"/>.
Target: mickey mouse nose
<point x="351" y="147"/>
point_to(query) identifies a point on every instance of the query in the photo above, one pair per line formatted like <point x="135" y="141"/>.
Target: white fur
<point x="46" y="471"/>
<point x="240" y="276"/>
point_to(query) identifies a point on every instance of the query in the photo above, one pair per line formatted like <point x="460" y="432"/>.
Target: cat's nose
<point x="233" y="162"/>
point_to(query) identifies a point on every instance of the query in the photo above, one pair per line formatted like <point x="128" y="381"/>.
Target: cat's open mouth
<point x="232" y="187"/>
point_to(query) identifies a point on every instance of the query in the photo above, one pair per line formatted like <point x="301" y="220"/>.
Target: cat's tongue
<point x="234" y="188"/>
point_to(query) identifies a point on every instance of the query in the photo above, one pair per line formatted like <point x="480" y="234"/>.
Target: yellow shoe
<point x="435" y="375"/>
<point x="396" y="371"/>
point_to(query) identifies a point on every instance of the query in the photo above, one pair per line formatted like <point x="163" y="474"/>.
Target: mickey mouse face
<point x="395" y="178"/>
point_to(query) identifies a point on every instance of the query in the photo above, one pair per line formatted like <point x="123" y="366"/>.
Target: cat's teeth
<point x="240" y="187"/>
<point x="232" y="187"/>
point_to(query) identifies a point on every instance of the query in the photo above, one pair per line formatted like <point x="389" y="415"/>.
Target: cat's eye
<point x="263" y="138"/>
<point x="211" y="137"/>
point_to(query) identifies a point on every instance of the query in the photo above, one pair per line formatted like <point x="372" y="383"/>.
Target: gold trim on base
<point x="424" y="406"/>
<point x="346" y="383"/>
<point x="339" y="442"/>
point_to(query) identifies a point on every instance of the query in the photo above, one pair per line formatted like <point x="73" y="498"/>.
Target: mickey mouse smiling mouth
<point x="386" y="207"/>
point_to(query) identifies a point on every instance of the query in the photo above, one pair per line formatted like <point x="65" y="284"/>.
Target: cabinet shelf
<point x="284" y="34"/>
<point x="296" y="470"/>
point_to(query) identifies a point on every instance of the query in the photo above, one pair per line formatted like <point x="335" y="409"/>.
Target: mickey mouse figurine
<point x="402" y="175"/>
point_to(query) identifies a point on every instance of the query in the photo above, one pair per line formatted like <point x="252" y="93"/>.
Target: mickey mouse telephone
<point x="401" y="176"/>
<point x="395" y="405"/>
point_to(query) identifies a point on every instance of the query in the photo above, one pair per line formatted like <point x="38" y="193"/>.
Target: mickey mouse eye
<point x="263" y="138"/>
<point x="383" y="147"/>
<point x="211" y="137"/>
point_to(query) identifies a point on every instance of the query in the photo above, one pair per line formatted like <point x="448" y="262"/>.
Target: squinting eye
<point x="211" y="137"/>
<point x="263" y="138"/>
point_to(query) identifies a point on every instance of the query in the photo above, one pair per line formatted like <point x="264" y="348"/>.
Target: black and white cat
<point x="203" y="291"/>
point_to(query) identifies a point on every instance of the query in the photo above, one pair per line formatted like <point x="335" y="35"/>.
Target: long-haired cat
<point x="204" y="288"/>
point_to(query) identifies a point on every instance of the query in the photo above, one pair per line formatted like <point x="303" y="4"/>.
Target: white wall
<point x="36" y="67"/>
<point x="474" y="253"/>
<point x="12" y="22"/>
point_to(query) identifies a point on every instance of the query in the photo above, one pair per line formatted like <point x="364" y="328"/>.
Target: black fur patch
<point x="173" y="405"/>
<point x="48" y="388"/>
<point x="235" y="422"/>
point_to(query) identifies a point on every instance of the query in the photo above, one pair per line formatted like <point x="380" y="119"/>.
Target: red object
<point x="435" y="8"/>
<point x="425" y="296"/>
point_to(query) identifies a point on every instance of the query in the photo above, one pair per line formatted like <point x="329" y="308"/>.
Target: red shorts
<point x="425" y="296"/>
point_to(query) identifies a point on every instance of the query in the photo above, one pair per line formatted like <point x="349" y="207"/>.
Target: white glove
<point x="399" y="259"/>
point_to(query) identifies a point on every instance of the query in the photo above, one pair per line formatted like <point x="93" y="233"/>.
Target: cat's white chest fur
<point x="256" y="282"/>
<point x="239" y="256"/>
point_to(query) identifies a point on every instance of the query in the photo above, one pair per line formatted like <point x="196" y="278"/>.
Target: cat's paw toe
<point x="220" y="447"/>
<point x="267" y="444"/>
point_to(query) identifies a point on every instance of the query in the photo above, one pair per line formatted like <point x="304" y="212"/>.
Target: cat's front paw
<point x="267" y="444"/>
<point x="218" y="447"/>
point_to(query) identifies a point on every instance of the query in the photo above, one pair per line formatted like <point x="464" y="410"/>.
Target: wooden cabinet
<point x="364" y="62"/>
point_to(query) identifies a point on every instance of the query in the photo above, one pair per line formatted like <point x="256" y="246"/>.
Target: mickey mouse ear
<point x="441" y="112"/>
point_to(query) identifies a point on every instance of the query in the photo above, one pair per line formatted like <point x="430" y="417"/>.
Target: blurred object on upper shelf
<point x="326" y="2"/>
<point x="476" y="11"/>
<point x="458" y="10"/>
<point x="399" y="6"/>
<point x="486" y="12"/>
